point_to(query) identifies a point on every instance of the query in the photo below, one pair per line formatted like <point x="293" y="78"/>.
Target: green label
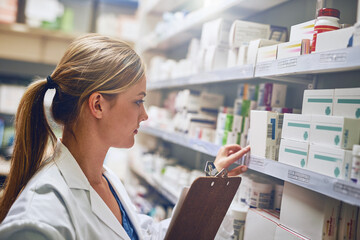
<point x="328" y="128"/>
<point x="320" y="100"/>
<point x="300" y="125"/>
<point x="326" y="158"/>
<point x="296" y="152"/>
<point x="349" y="101"/>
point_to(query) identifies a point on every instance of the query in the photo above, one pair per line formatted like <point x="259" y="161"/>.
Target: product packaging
<point x="347" y="222"/>
<point x="284" y="233"/>
<point x="294" y="153"/>
<point x="318" y="102"/>
<point x="303" y="30"/>
<point x="242" y="32"/>
<point x="296" y="127"/>
<point x="334" y="40"/>
<point x="254" y="46"/>
<point x="261" y="224"/>
<point x="347" y="102"/>
<point x="268" y="53"/>
<point x="272" y="95"/>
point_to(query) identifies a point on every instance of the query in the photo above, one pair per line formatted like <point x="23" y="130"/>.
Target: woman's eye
<point x="139" y="102"/>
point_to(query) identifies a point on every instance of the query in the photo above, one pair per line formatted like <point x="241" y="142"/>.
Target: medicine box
<point x="318" y="102"/>
<point x="309" y="213"/>
<point x="242" y="32"/>
<point x="293" y="153"/>
<point x="267" y="53"/>
<point x="292" y="49"/>
<point x="330" y="161"/>
<point x="335" y="131"/>
<point x="263" y="133"/>
<point x="215" y="58"/>
<point x="333" y="40"/>
<point x="303" y="30"/>
<point x="347" y="222"/>
<point x="261" y="224"/>
<point x="347" y="102"/>
<point x="242" y="55"/>
<point x="215" y="33"/>
<point x="284" y="233"/>
<point x="272" y="95"/>
<point x="254" y="46"/>
<point x="211" y="100"/>
<point x="296" y="127"/>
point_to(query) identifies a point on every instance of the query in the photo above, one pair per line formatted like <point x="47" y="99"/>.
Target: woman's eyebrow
<point x="142" y="93"/>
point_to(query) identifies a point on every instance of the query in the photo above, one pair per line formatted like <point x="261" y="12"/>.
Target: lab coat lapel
<point x="122" y="194"/>
<point x="75" y="178"/>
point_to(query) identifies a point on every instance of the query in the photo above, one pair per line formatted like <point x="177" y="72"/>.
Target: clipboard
<point x="203" y="208"/>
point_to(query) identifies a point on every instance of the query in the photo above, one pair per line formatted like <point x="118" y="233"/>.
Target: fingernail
<point x="244" y="168"/>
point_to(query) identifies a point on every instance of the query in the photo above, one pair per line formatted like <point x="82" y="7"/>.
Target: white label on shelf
<point x="264" y="67"/>
<point x="333" y="57"/>
<point x="257" y="162"/>
<point x="301" y="177"/>
<point x="347" y="190"/>
<point x="287" y="63"/>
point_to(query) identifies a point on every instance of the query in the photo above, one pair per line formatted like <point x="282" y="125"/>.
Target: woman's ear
<point x="96" y="101"/>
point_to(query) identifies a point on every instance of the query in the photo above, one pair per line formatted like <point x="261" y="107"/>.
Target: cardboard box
<point x="215" y="33"/>
<point x="210" y="101"/>
<point x="318" y="102"/>
<point x="242" y="55"/>
<point x="294" y="153"/>
<point x="293" y="49"/>
<point x="215" y="58"/>
<point x="254" y="46"/>
<point x="10" y="97"/>
<point x="296" y="127"/>
<point x="272" y="95"/>
<point x="347" y="102"/>
<point x="232" y="57"/>
<point x="330" y="161"/>
<point x="267" y="53"/>
<point x="309" y="213"/>
<point x="263" y="134"/>
<point x="261" y="224"/>
<point x="347" y="222"/>
<point x="335" y="131"/>
<point x="303" y="30"/>
<point x="333" y="40"/>
<point x="284" y="233"/>
<point x="242" y="32"/>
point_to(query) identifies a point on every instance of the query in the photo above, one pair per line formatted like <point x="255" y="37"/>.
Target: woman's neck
<point x="88" y="152"/>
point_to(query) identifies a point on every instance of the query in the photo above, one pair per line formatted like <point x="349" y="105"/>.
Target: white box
<point x="347" y="102"/>
<point x="284" y="233"/>
<point x="263" y="134"/>
<point x="330" y="161"/>
<point x="210" y="100"/>
<point x="254" y="46"/>
<point x="215" y="33"/>
<point x="309" y="213"/>
<point x="10" y="97"/>
<point x="335" y="131"/>
<point x="272" y="95"/>
<point x="261" y="224"/>
<point x="318" y="102"/>
<point x="333" y="40"/>
<point x="237" y="123"/>
<point x="267" y="53"/>
<point x="232" y="57"/>
<point x="242" y="55"/>
<point x="303" y="30"/>
<point x="356" y="38"/>
<point x="215" y="58"/>
<point x="296" y="127"/>
<point x="294" y="153"/>
<point x="347" y="222"/>
<point x="293" y="49"/>
<point x="242" y="32"/>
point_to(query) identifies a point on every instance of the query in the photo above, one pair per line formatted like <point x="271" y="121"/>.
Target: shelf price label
<point x="259" y="162"/>
<point x="264" y="67"/>
<point x="301" y="177"/>
<point x="347" y="190"/>
<point x="287" y="63"/>
<point x="333" y="57"/>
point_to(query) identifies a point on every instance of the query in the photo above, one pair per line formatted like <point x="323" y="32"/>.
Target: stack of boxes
<point x="321" y="138"/>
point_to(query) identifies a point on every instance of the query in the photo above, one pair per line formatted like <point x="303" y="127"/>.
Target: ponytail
<point x="32" y="133"/>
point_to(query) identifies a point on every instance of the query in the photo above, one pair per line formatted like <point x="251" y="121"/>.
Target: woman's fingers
<point x="237" y="155"/>
<point x="238" y="170"/>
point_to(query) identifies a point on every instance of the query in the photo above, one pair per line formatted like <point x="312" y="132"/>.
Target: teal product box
<point x="335" y="131"/>
<point x="318" y="102"/>
<point x="294" y="153"/>
<point x="347" y="102"/>
<point x="296" y="127"/>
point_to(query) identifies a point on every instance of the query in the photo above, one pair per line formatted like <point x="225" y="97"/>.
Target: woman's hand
<point x="229" y="154"/>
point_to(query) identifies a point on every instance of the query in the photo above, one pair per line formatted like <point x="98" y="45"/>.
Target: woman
<point x="100" y="89"/>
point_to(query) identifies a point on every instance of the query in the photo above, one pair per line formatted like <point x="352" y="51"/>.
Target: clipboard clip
<point x="210" y="170"/>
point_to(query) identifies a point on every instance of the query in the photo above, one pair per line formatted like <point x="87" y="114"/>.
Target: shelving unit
<point x="192" y="24"/>
<point x="336" y="188"/>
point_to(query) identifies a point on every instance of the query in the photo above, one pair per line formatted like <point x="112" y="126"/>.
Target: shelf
<point x="226" y="75"/>
<point x="336" y="188"/>
<point x="157" y="184"/>
<point x="161" y="6"/>
<point x="184" y="31"/>
<point x="332" y="61"/>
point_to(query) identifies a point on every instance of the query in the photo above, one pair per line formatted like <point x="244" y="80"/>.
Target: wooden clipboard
<point x="203" y="208"/>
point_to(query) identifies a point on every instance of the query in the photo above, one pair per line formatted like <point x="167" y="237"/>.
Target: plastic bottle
<point x="355" y="169"/>
<point x="327" y="20"/>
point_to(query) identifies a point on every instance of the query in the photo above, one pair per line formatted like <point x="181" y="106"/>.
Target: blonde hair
<point x="92" y="63"/>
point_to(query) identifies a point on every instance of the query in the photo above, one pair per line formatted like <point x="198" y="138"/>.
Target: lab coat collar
<point x="76" y="179"/>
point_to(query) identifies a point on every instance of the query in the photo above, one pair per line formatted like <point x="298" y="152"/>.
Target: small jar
<point x="327" y="20"/>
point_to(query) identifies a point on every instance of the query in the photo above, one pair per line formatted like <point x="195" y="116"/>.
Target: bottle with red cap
<point x="327" y="20"/>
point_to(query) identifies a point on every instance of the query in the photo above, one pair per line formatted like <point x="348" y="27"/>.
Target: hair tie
<point x="50" y="83"/>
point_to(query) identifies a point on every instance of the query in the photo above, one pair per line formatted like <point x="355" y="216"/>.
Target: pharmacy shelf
<point x="335" y="188"/>
<point x="185" y="30"/>
<point x="157" y="184"/>
<point x="225" y="75"/>
<point x="161" y="6"/>
<point x="331" y="61"/>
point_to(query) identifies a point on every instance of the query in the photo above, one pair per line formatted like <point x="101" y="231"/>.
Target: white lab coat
<point x="59" y="203"/>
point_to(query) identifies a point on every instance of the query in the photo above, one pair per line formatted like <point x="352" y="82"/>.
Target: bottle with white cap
<point x="355" y="169"/>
